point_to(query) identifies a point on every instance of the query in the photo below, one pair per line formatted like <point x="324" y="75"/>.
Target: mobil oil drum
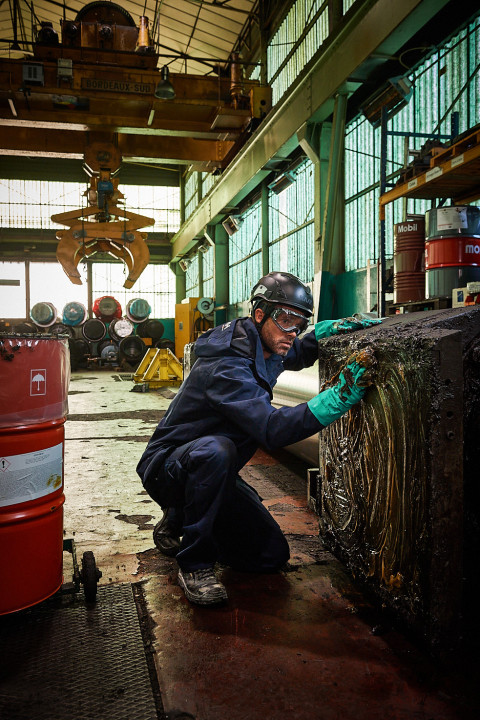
<point x="409" y="261"/>
<point x="34" y="377"/>
<point x="452" y="248"/>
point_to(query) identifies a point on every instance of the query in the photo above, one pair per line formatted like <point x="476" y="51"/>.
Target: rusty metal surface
<point x="392" y="471"/>
<point x="301" y="644"/>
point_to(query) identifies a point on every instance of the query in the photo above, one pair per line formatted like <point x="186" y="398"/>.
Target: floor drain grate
<point x="95" y="656"/>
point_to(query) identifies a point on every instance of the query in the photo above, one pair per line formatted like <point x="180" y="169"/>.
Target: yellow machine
<point x="191" y="321"/>
<point x="159" y="368"/>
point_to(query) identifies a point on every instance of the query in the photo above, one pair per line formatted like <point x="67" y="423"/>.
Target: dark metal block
<point x="397" y="473"/>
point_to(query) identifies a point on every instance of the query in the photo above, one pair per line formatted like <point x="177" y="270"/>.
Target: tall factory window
<point x="446" y="81"/>
<point x="156" y="285"/>
<point x="291" y="225"/>
<point x="208" y="260"/>
<point x="12" y="297"/>
<point x="31" y="203"/>
<point x="192" y="285"/>
<point x="191" y="193"/>
<point x="295" y="43"/>
<point x="208" y="181"/>
<point x="49" y="283"/>
<point x="245" y="255"/>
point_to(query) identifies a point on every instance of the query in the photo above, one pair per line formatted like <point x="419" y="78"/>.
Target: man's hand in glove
<point x="327" y="328"/>
<point x="349" y="388"/>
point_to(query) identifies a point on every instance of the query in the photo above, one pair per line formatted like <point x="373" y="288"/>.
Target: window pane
<point x="49" y="283"/>
<point x="12" y="298"/>
<point x="156" y="285"/>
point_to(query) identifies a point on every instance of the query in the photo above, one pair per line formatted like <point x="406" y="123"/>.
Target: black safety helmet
<point x="282" y="288"/>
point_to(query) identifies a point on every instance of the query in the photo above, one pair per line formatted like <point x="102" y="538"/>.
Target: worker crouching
<point x="221" y="414"/>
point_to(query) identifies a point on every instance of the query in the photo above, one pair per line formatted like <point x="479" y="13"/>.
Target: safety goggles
<point x="288" y="320"/>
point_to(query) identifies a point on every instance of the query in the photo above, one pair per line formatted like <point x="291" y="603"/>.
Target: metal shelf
<point x="453" y="173"/>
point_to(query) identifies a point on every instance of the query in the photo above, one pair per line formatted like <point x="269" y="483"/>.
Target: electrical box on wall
<point x="32" y="74"/>
<point x="185" y="316"/>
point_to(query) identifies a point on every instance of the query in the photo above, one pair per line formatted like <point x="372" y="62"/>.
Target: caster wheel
<point x="90" y="576"/>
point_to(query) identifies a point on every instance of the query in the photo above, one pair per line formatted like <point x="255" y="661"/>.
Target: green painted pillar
<point x="332" y="241"/>
<point x="265" y="230"/>
<point x="182" y="198"/>
<point x="200" y="274"/>
<point x="221" y="275"/>
<point x="180" y="282"/>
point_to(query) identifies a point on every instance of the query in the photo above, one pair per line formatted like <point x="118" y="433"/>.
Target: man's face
<point x="274" y="338"/>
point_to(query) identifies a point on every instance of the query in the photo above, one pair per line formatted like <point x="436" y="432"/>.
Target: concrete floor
<point x="303" y="642"/>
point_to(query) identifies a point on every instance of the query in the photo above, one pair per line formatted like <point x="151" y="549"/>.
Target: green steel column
<point x="199" y="188"/>
<point x="322" y="145"/>
<point x="182" y="198"/>
<point x="262" y="16"/>
<point x="200" y="274"/>
<point x="180" y="282"/>
<point x="221" y="274"/>
<point x="333" y="252"/>
<point x="265" y="230"/>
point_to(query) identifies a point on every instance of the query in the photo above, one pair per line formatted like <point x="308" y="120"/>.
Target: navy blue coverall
<point x="221" y="414"/>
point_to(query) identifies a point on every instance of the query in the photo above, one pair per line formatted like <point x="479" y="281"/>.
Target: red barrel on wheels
<point x="34" y="377"/>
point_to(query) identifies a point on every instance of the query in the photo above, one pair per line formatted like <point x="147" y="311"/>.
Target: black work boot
<point x="202" y="587"/>
<point x="166" y="533"/>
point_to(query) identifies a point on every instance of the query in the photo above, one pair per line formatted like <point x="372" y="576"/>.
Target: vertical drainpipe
<point x="221" y="274"/>
<point x="265" y="229"/>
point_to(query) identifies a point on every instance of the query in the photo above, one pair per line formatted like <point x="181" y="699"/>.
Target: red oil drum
<point x="34" y="376"/>
<point x="106" y="308"/>
<point x="452" y="250"/>
<point x="409" y="261"/>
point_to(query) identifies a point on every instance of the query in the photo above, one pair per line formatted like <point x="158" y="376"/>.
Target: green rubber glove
<point x="327" y="328"/>
<point x="334" y="402"/>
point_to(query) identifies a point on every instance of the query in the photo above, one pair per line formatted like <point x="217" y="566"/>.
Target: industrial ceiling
<point x="86" y="81"/>
<point x="95" y="68"/>
<point x="189" y="35"/>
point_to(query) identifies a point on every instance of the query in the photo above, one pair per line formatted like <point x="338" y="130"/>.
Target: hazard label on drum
<point x="38" y="382"/>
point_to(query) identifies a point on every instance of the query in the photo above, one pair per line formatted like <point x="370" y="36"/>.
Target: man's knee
<point x="218" y="452"/>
